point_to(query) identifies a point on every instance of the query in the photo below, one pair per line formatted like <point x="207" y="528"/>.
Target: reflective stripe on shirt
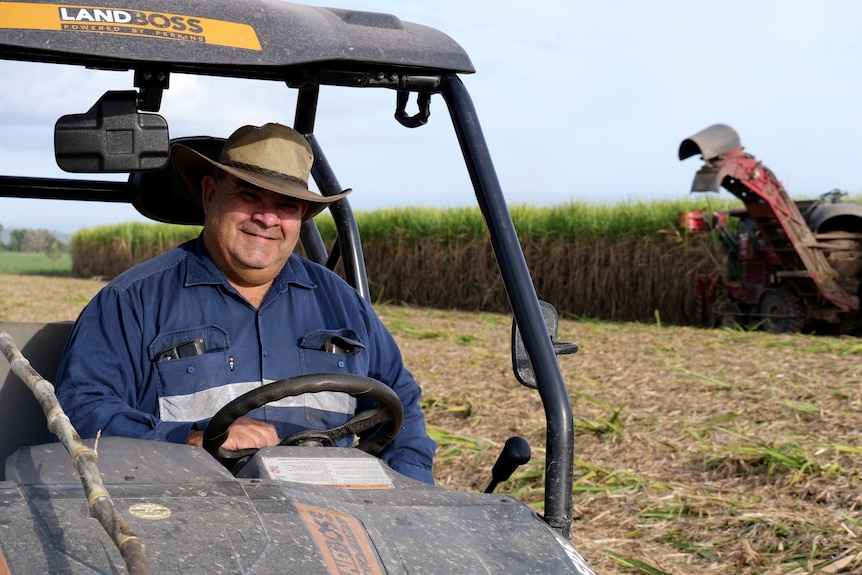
<point x="204" y="404"/>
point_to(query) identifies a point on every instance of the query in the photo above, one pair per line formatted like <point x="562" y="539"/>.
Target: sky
<point x="579" y="101"/>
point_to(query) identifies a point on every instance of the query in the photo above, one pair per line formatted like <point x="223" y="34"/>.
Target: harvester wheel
<point x="781" y="311"/>
<point x="706" y="301"/>
<point x="850" y="324"/>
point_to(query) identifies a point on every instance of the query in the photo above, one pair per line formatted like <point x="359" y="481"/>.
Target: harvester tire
<point x="850" y="324"/>
<point x="781" y="311"/>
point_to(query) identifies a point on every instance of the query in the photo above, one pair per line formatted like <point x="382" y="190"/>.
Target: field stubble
<point x="697" y="451"/>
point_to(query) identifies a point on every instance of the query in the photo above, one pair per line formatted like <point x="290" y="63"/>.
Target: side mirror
<point x="112" y="137"/>
<point x="521" y="362"/>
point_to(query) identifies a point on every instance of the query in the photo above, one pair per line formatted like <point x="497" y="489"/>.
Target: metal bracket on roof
<point x="152" y="83"/>
<point x="423" y="100"/>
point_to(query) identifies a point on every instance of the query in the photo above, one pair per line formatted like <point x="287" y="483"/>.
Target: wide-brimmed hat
<point x="272" y="157"/>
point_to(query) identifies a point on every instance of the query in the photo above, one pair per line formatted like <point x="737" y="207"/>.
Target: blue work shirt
<point x="167" y="343"/>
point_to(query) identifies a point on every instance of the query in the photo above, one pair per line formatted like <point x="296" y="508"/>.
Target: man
<point x="167" y="343"/>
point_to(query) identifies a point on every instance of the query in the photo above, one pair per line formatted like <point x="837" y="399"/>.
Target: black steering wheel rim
<point x="390" y="412"/>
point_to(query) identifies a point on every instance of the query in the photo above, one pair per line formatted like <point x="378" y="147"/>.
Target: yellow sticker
<point x="149" y="511"/>
<point x="127" y="22"/>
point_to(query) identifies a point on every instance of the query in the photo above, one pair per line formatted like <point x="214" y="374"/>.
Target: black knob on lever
<point x="515" y="453"/>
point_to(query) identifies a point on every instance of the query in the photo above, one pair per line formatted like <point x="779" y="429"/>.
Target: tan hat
<point x="272" y="157"/>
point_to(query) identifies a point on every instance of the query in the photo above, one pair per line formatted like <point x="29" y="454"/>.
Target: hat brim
<point x="191" y="167"/>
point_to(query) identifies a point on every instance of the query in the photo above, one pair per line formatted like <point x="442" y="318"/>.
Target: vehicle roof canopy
<point x="264" y="39"/>
<point x="303" y="46"/>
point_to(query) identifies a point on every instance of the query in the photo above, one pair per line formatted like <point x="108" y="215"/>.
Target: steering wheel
<point x="389" y="412"/>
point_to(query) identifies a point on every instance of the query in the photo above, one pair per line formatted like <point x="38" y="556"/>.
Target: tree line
<point x="32" y="241"/>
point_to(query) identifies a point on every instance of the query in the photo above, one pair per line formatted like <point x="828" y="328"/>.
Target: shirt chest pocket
<point x="332" y="351"/>
<point x="191" y="360"/>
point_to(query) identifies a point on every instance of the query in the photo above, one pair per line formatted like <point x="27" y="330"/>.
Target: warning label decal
<point x="347" y="472"/>
<point x="127" y="22"/>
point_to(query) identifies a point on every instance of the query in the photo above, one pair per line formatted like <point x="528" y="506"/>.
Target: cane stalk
<point x="84" y="459"/>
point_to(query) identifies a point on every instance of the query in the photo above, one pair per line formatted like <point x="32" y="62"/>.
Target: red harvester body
<point x="791" y="264"/>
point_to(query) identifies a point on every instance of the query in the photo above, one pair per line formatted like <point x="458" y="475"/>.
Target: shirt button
<point x="340" y="364"/>
<point x="190" y="369"/>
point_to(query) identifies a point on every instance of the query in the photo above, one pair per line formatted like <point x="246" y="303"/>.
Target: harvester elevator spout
<point x="710" y="142"/>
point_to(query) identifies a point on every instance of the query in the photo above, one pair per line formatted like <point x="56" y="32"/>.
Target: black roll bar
<point x="65" y="189"/>
<point x="559" y="463"/>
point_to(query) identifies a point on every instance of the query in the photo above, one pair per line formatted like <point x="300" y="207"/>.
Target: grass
<point x="109" y="250"/>
<point x="23" y="263"/>
<point x="580" y="256"/>
<point x="568" y="221"/>
<point x="142" y="239"/>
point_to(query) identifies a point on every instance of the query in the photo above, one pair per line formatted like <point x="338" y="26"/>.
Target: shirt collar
<point x="201" y="270"/>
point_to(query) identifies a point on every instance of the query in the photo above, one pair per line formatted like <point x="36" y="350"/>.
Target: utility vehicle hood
<point x="196" y="518"/>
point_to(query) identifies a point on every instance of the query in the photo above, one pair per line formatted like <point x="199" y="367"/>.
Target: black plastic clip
<point x="423" y="100"/>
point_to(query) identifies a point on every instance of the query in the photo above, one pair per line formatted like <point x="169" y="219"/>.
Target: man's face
<point x="249" y="232"/>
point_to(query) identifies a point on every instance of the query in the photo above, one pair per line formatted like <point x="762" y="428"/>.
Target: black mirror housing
<point x="112" y="137"/>
<point x="521" y="363"/>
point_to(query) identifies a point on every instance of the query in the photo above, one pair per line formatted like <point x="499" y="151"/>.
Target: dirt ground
<point x="696" y="451"/>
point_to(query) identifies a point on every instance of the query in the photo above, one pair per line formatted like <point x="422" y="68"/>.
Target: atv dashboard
<point x="123" y="461"/>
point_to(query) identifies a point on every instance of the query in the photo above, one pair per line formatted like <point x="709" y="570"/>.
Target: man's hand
<point x="243" y="433"/>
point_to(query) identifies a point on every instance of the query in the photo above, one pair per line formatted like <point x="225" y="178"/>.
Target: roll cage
<point x="306" y="48"/>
